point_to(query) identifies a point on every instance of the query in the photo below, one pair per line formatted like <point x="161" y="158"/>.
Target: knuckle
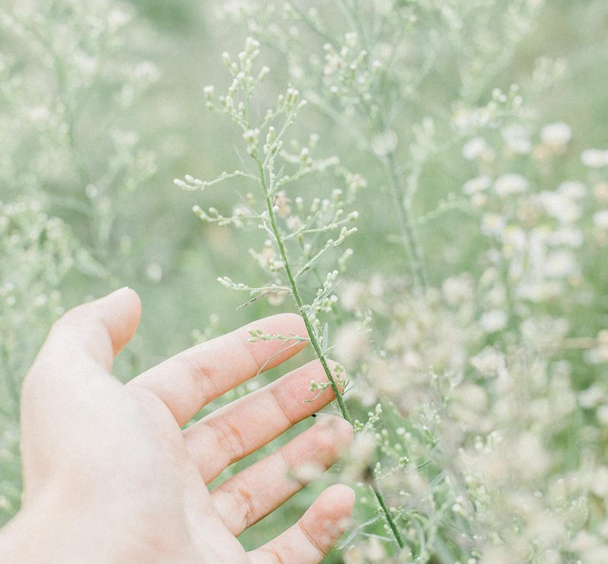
<point x="340" y="430"/>
<point x="229" y="439"/>
<point x="312" y="538"/>
<point x="326" y="444"/>
<point x="244" y="505"/>
<point x="199" y="374"/>
<point x="74" y="317"/>
<point x="290" y="463"/>
<point x="281" y="404"/>
<point x="275" y="555"/>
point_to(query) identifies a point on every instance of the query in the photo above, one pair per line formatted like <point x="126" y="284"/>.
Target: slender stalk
<point x="410" y="240"/>
<point x="312" y="24"/>
<point x="315" y="343"/>
<point x="406" y="224"/>
<point x="298" y="298"/>
<point x="387" y="515"/>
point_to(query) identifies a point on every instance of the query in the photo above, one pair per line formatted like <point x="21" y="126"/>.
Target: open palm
<point x="124" y="482"/>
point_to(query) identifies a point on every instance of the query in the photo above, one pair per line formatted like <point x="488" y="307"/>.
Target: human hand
<point x="110" y="476"/>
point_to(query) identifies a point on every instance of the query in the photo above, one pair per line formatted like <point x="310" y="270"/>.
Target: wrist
<point x="37" y="535"/>
<point x="47" y="536"/>
<point x="54" y="532"/>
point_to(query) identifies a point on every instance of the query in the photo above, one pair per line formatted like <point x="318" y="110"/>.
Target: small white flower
<point x="154" y="272"/>
<point x="385" y="143"/>
<point x="595" y="158"/>
<point x="86" y="64"/>
<point x="493" y="224"/>
<point x="573" y="190"/>
<point x="591" y="397"/>
<point x="517" y="139"/>
<point x="147" y="71"/>
<point x="598" y="355"/>
<point x="556" y="134"/>
<point x="560" y="207"/>
<point x="333" y="63"/>
<point x="602" y="415"/>
<point x="475" y="149"/>
<point x="118" y="18"/>
<point x="463" y="119"/>
<point x="560" y="264"/>
<point x="458" y="290"/>
<point x="510" y="184"/>
<point x="515" y="236"/>
<point x="529" y="457"/>
<point x="351" y="344"/>
<point x="489" y="362"/>
<point x="475" y="185"/>
<point x="494" y="320"/>
<point x="39" y="113"/>
<point x="566" y="235"/>
<point x="600" y="219"/>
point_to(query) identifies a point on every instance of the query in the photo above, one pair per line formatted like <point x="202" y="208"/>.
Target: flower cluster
<point x="475" y="394"/>
<point x="58" y="134"/>
<point x="298" y="234"/>
<point x="467" y="317"/>
<point x="66" y="80"/>
<point x="38" y="251"/>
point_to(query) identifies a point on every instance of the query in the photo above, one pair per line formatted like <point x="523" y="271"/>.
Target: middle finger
<point x="240" y="428"/>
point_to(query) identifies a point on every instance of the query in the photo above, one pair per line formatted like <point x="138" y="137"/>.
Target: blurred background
<point x="102" y="106"/>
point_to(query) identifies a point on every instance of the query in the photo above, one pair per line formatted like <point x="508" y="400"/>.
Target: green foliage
<point x="467" y="313"/>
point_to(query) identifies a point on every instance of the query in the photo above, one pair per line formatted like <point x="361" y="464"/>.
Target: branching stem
<point x="406" y="224"/>
<point x="297" y="297"/>
<point x="315" y="343"/>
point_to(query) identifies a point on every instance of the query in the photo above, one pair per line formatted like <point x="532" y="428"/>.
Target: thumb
<point x="64" y="390"/>
<point x="92" y="332"/>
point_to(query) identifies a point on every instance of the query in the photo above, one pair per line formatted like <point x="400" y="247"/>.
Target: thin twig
<point x="315" y="343"/>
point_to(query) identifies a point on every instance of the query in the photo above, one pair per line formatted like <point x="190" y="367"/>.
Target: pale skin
<point x="112" y="476"/>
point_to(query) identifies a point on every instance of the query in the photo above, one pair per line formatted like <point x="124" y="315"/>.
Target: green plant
<point x="299" y="230"/>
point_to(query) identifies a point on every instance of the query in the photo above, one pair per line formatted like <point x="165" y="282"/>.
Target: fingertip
<point x="134" y="302"/>
<point x="332" y="512"/>
<point x="311" y="539"/>
<point x="121" y="312"/>
<point x="335" y="503"/>
<point x="339" y="428"/>
<point x="125" y="294"/>
<point x="341" y="497"/>
<point x="95" y="331"/>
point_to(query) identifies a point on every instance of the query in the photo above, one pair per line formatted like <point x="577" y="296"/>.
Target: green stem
<point x="387" y="515"/>
<point x="312" y="25"/>
<point x="298" y="298"/>
<point x="406" y="224"/>
<point x="315" y="343"/>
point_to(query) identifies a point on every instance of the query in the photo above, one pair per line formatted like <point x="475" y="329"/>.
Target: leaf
<point x="325" y="340"/>
<point x="85" y="263"/>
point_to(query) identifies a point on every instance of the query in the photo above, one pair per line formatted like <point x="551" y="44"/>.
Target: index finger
<point x="191" y="379"/>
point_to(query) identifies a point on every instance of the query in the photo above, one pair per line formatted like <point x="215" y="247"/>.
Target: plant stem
<point x="408" y="234"/>
<point x="298" y="298"/>
<point x="315" y="343"/>
<point x="387" y="514"/>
